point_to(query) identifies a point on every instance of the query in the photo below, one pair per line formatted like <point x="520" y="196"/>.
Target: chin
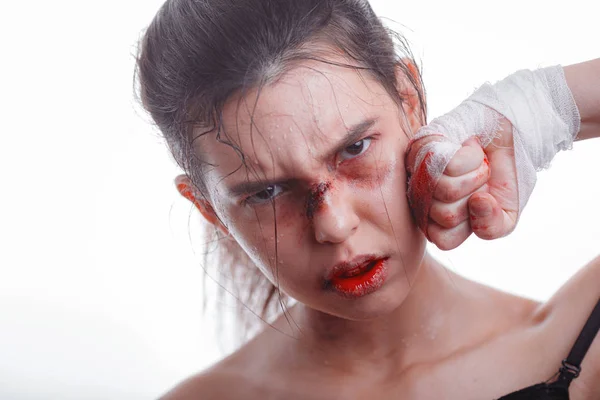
<point x="375" y="305"/>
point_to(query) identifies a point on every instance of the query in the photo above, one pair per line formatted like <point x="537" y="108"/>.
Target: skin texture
<point x="584" y="81"/>
<point x="299" y="124"/>
<point x="427" y="333"/>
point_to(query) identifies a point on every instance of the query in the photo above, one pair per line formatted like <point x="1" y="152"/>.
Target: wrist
<point x="583" y="80"/>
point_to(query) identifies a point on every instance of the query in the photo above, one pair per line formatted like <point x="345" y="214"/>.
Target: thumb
<point x="488" y="220"/>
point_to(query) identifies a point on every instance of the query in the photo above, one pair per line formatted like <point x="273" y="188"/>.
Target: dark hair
<point x="196" y="54"/>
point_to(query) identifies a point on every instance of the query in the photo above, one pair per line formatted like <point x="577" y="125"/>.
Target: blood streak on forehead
<point x="316" y="198"/>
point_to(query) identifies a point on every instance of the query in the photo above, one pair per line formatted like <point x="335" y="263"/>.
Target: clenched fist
<point x="477" y="192"/>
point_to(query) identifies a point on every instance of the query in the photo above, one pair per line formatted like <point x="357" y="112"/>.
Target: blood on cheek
<point x="358" y="175"/>
<point x="295" y="213"/>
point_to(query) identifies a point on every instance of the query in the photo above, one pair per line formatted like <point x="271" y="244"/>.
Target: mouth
<point x="357" y="280"/>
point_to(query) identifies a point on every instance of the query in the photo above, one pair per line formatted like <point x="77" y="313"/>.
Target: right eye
<point x="356" y="149"/>
<point x="265" y="195"/>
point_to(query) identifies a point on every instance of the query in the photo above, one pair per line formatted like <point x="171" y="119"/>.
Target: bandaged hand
<point x="473" y="169"/>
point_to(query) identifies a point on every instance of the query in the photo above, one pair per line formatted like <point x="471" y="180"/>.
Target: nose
<point x="335" y="220"/>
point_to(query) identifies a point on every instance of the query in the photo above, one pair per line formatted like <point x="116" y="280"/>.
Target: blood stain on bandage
<point x="316" y="198"/>
<point x="421" y="187"/>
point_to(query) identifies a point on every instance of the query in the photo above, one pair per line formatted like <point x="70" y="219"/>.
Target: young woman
<point x="293" y="121"/>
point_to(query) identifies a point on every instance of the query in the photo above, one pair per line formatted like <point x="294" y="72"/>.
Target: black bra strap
<point x="571" y="366"/>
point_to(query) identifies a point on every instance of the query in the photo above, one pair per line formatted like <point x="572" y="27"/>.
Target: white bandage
<point x="538" y="104"/>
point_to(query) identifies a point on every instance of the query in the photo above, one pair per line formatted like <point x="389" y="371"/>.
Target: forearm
<point x="584" y="81"/>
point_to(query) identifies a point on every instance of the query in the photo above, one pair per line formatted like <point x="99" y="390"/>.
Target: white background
<point x="100" y="292"/>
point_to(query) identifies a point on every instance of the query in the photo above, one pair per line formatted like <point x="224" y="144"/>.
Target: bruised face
<point x="319" y="201"/>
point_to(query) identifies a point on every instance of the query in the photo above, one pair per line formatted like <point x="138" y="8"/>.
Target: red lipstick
<point x="359" y="278"/>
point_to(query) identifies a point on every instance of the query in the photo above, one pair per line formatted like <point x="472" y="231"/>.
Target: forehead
<point x="287" y="125"/>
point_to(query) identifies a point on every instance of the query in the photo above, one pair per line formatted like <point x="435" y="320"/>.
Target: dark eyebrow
<point x="354" y="134"/>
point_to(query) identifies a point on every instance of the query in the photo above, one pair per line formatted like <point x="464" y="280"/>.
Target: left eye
<point x="356" y="149"/>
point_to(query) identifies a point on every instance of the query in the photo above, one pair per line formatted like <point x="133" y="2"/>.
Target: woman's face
<point x="319" y="203"/>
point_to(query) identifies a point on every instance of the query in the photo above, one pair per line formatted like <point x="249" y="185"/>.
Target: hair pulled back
<point x="196" y="54"/>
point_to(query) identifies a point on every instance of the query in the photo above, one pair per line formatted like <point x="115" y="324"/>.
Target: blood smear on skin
<point x="420" y="191"/>
<point x="316" y="198"/>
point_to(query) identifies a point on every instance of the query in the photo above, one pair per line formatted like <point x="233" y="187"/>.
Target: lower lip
<point x="363" y="284"/>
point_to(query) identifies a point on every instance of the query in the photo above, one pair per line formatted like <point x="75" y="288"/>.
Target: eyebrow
<point x="354" y="134"/>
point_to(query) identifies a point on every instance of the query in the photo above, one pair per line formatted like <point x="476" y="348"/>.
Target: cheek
<point x="379" y="169"/>
<point x="270" y="235"/>
<point x="382" y="193"/>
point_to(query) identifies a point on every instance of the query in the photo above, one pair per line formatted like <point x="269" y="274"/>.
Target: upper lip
<point x="345" y="266"/>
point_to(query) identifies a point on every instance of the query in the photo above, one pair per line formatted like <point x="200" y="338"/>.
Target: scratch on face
<point x="316" y="198"/>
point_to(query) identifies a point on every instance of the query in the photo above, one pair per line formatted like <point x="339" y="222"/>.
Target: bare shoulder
<point x="566" y="314"/>
<point x="235" y="377"/>
<point x="212" y="384"/>
<point x="220" y="382"/>
<point x="576" y="299"/>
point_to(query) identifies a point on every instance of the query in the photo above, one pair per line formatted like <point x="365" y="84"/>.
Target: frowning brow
<point x="353" y="135"/>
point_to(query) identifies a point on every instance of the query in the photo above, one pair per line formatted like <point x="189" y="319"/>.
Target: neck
<point x="428" y="323"/>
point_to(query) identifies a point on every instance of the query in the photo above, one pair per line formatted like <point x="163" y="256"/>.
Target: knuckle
<point x="465" y="160"/>
<point x="445" y="216"/>
<point x="451" y="219"/>
<point x="446" y="243"/>
<point x="447" y="192"/>
<point x="453" y="167"/>
<point x="442" y="238"/>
